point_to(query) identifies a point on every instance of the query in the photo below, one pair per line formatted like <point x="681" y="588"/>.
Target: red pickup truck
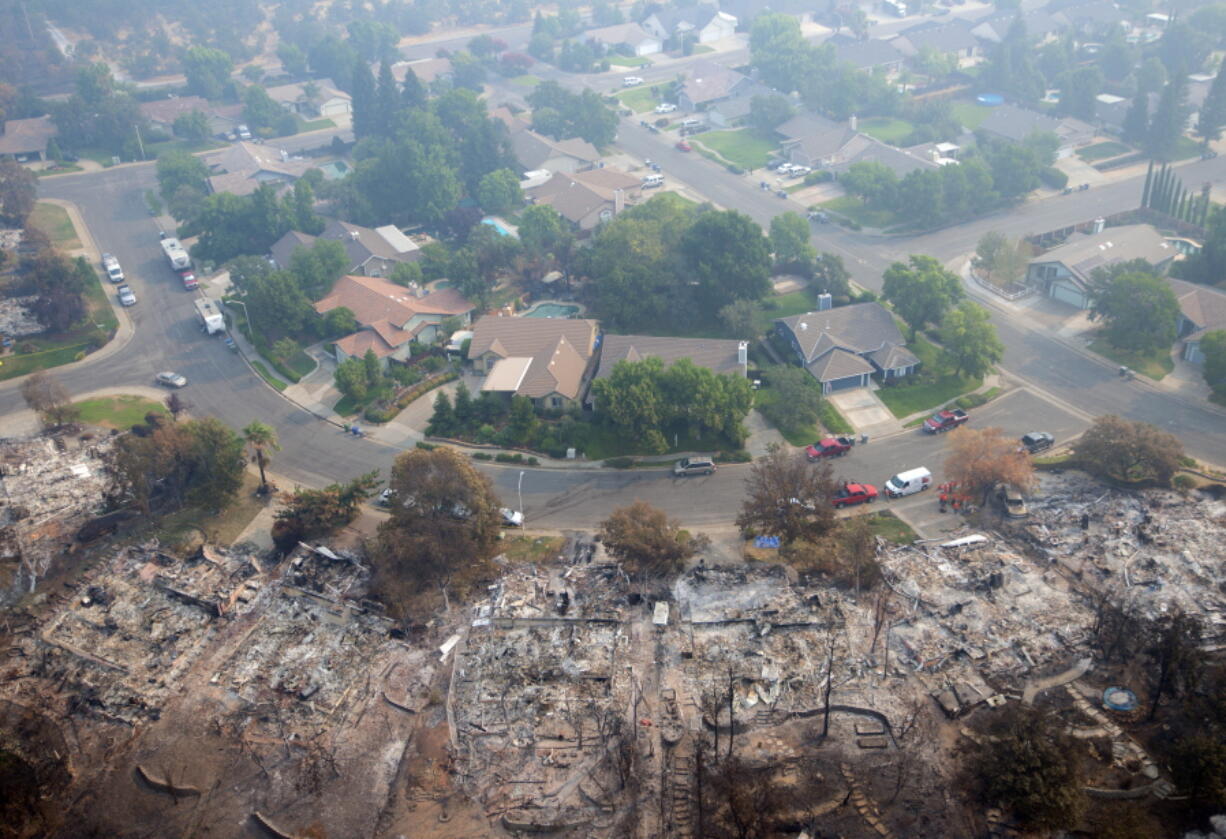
<point x="830" y="447"/>
<point x="850" y="494"/>
<point x="945" y="420"/>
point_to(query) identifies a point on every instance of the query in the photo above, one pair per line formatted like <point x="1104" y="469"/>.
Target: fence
<point x="1013" y="292"/>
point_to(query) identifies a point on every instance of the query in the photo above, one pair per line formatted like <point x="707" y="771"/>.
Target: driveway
<point x="866" y="413"/>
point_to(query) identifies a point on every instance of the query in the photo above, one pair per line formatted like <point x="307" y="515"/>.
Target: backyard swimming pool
<point x="497" y="225"/>
<point x="552" y="310"/>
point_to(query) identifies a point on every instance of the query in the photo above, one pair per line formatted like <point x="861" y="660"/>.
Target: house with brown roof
<point x="320" y="98"/>
<point x="707" y="83"/>
<point x="26" y="139"/>
<point x="629" y="36"/>
<point x="720" y="356"/>
<point x="1202" y="309"/>
<point x="162" y="113"/>
<point x="536" y="151"/>
<point x="242" y="167"/>
<point x="843" y="348"/>
<point x="427" y="70"/>
<point x="548" y="360"/>
<point x="590" y="198"/>
<point x="391" y="316"/>
<point x="372" y="252"/>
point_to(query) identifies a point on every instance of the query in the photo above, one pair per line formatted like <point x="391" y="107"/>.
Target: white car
<point x="631" y="81"/>
<point x="169" y="379"/>
<point x="797" y="171"/>
<point x="665" y="108"/>
<point x="126" y="297"/>
<point x="113" y="271"/>
<point x="511" y="518"/>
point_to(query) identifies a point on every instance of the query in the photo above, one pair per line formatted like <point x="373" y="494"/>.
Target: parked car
<point x="783" y="193"/>
<point x="1037" y="441"/>
<point x="126" y="296"/>
<point x="244" y="133"/>
<point x="631" y="81"/>
<point x="665" y="108"/>
<point x="797" y="171"/>
<point x="694" y="466"/>
<point x="830" y="447"/>
<point x="114" y="272"/>
<point x="908" y="483"/>
<point x="851" y="494"/>
<point x="511" y="518"/>
<point x="682" y="145"/>
<point x="169" y="379"/>
<point x="188" y="276"/>
<point x="385" y="497"/>
<point x="1011" y="500"/>
<point x="946" y="420"/>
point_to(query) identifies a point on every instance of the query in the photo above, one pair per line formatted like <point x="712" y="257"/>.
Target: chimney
<point x="619" y="200"/>
<point x="1099" y="224"/>
<point x="853" y="123"/>
<point x="934" y="154"/>
<point x="825" y="301"/>
<point x="742" y="354"/>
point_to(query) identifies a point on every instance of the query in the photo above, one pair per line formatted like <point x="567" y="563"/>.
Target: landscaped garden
<point x="853" y="209"/>
<point x="932" y="387"/>
<point x="1102" y="151"/>
<point x="741" y="147"/>
<point x="1155" y="365"/>
<point x="887" y="129"/>
<point x="120" y="412"/>
<point x="639" y="99"/>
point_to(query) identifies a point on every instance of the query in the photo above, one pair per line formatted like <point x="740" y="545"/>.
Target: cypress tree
<point x="1149" y="178"/>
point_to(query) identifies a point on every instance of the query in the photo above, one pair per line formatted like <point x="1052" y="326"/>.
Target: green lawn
<point x="891" y="528"/>
<point x="121" y="412"/>
<point x="62" y="169"/>
<point x="1187" y="147"/>
<point x="887" y="129"/>
<point x="618" y="60"/>
<point x="600" y="442"/>
<point x="701" y="49"/>
<point x="970" y="114"/>
<point x="833" y="421"/>
<point x="1155" y="365"/>
<point x="152" y="150"/>
<point x="1102" y="151"/>
<point x="12" y="366"/>
<point x="346" y="406"/>
<point x="931" y="389"/>
<point x="741" y="147"/>
<point x="317" y="125"/>
<point x="268" y="377"/>
<point x="639" y="99"/>
<point x="53" y="220"/>
<point x="526" y="80"/>
<point x="786" y="305"/>
<point x="853" y="209"/>
<point x="301" y="363"/>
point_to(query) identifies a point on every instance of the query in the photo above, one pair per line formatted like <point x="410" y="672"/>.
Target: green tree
<point x="522" y="423"/>
<point x="18" y="190"/>
<point x="293" y="59"/>
<point x="1212" y="115"/>
<point x="1213" y="348"/>
<point x="193" y="126"/>
<point x="544" y="233"/>
<point x="649" y="542"/>
<point x="788" y="497"/>
<point x="1079" y="92"/>
<point x="350" y="378"/>
<point x="779" y="51"/>
<point x="831" y="276"/>
<point x="499" y="192"/>
<point x="1135" y="128"/>
<point x="217" y="469"/>
<point x="921" y="291"/>
<point x="178" y="169"/>
<point x="793" y="400"/>
<point x="766" y="113"/>
<point x="443" y="420"/>
<point x="631" y="400"/>
<point x="1128" y="451"/>
<point x="729" y="258"/>
<point x="207" y="71"/>
<point x="743" y="318"/>
<point x="365" y="115"/>
<point x="789" y="239"/>
<point x="1169" y="120"/>
<point x="1140" y="311"/>
<point x="313" y="513"/>
<point x="262" y="439"/>
<point x="875" y="182"/>
<point x="260" y="110"/>
<point x="318" y="266"/>
<point x="970" y="340"/>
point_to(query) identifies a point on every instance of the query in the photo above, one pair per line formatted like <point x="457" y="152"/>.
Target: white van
<point x="653" y="181"/>
<point x="690" y="123"/>
<point x="909" y="482"/>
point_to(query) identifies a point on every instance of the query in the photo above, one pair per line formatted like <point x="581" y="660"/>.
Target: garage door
<point x="845" y="384"/>
<point x="1067" y="294"/>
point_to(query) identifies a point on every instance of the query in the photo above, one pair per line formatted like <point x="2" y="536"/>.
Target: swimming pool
<point x="497" y="225"/>
<point x="552" y="310"/>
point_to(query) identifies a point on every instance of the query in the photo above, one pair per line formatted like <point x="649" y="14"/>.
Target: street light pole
<point x="247" y="315"/>
<point x="520" y="492"/>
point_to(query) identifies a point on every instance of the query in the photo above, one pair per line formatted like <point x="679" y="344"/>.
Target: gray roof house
<point x="952" y="38"/>
<point x="717" y="355"/>
<point x="705" y="22"/>
<point x="26" y="139"/>
<point x="1010" y="122"/>
<point x="1041" y="26"/>
<point x="843" y="347"/>
<point x="1201" y="309"/>
<point x="630" y="35"/>
<point x="873" y="55"/>
<point x="372" y="252"/>
<point x="536" y="151"/>
<point x="811" y="140"/>
<point x="729" y="112"/>
<point x="707" y="83"/>
<point x="1064" y="272"/>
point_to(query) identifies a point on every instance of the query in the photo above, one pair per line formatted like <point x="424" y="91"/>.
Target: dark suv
<point x="1037" y="441"/>
<point x="694" y="466"/>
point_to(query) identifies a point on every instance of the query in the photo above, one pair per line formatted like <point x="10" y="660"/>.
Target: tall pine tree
<point x="1136" y="122"/>
<point x="387" y="101"/>
<point x="1213" y="109"/>
<point x="365" y="118"/>
<point x="1170" y="118"/>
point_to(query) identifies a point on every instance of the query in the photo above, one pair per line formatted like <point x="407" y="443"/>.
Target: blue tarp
<point x="766" y="542"/>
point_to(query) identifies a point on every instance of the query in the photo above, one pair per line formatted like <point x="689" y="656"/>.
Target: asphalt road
<point x="1064" y="388"/>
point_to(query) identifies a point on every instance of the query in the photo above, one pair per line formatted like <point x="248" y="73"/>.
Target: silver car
<point x="126" y="296"/>
<point x="169" y="379"/>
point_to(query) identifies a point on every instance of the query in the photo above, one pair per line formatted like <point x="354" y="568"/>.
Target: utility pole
<point x="140" y="143"/>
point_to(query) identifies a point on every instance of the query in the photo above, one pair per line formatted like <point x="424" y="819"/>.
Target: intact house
<point x="1064" y="273"/>
<point x="718" y="355"/>
<point x="953" y="38"/>
<point x="842" y="348"/>
<point x="391" y="317"/>
<point x="243" y="167"/>
<point x="536" y="151"/>
<point x="371" y="252"/>
<point x="427" y="70"/>
<point x="1009" y="122"/>
<point x="1201" y="309"/>
<point x="162" y="113"/>
<point x="629" y="37"/>
<point x="25" y="140"/>
<point x="871" y="56"/>
<point x="708" y="83"/>
<point x="587" y="199"/>
<point x="820" y="143"/>
<point x="312" y="100"/>
<point x="547" y="360"/>
<point x="704" y="23"/>
<point x="729" y="112"/>
<point x="1041" y="26"/>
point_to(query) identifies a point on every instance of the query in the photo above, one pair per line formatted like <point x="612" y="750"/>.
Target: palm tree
<point x="262" y="438"/>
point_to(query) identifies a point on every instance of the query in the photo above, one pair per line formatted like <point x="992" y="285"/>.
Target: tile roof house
<point x="1202" y="309"/>
<point x="163" y="112"/>
<point x="242" y="167"/>
<point x="26" y="139"/>
<point x="372" y="252"/>
<point x="720" y="356"/>
<point x="1064" y="272"/>
<point x="843" y="347"/>
<point x="587" y="199"/>
<point x="707" y="83"/>
<point x="953" y="37"/>
<point x="391" y="316"/>
<point x="536" y="151"/>
<point x="1010" y="122"/>
<point x="326" y="100"/>
<point x="703" y="22"/>
<point x="548" y="360"/>
<point x="629" y="35"/>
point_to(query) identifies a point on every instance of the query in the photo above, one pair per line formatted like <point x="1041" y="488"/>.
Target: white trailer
<point x="212" y="320"/>
<point x="176" y="255"/>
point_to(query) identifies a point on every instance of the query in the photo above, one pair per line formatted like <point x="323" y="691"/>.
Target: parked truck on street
<point x="212" y="320"/>
<point x="175" y="254"/>
<point x="945" y="420"/>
